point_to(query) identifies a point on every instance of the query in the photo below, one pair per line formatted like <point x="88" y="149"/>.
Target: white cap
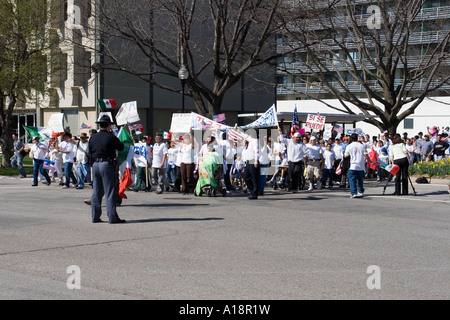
<point x="313" y="138"/>
<point x="296" y="135"/>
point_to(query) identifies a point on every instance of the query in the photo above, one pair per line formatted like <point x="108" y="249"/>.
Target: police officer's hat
<point x="104" y="119"/>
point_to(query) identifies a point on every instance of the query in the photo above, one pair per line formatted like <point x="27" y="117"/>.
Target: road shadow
<point x="172" y="220"/>
<point x="166" y="205"/>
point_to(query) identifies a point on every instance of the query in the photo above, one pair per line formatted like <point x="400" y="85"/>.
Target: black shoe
<point x="79" y="188"/>
<point x="118" y="221"/>
<point x="252" y="197"/>
<point x="49" y="183"/>
<point x="396" y="194"/>
<point x="97" y="221"/>
<point x="34" y="185"/>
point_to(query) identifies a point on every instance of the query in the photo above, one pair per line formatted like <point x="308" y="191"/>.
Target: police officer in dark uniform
<point x="102" y="151"/>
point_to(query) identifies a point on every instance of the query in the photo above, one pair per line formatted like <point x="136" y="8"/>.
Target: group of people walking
<point x="181" y="163"/>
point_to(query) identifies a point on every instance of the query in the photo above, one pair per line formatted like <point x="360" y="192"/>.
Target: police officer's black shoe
<point x="118" y="221"/>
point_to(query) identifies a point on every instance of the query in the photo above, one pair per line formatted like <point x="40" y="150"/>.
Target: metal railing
<point x="352" y="86"/>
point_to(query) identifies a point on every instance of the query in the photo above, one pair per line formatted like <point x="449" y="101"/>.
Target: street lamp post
<point x="183" y="74"/>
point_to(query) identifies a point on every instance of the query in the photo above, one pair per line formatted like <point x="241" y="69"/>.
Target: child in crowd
<point x="383" y="160"/>
<point x="237" y="172"/>
<point x="281" y="172"/>
<point x="328" y="168"/>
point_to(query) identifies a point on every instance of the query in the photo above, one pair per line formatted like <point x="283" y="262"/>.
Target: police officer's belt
<point x="103" y="160"/>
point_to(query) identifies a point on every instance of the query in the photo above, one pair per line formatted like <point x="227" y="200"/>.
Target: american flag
<point x="235" y="135"/>
<point x="339" y="168"/>
<point x="295" y="123"/>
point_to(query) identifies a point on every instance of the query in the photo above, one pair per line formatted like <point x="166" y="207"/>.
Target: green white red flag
<point x="107" y="103"/>
<point x="125" y="159"/>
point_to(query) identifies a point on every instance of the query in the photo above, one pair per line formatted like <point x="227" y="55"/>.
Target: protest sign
<point x="56" y="122"/>
<point x="181" y="122"/>
<point x="127" y="114"/>
<point x="315" y="121"/>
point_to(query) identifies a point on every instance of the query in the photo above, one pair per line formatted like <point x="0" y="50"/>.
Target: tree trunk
<point x="6" y="142"/>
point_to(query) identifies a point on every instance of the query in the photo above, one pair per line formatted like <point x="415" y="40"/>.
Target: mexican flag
<point x="391" y="168"/>
<point x="125" y="159"/>
<point x="44" y="133"/>
<point x="106" y="103"/>
<point x="166" y="135"/>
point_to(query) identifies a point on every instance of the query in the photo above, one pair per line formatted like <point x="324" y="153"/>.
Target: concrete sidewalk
<point x="309" y="245"/>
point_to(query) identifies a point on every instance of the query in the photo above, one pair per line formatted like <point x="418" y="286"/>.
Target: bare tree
<point x="384" y="58"/>
<point x="218" y="41"/>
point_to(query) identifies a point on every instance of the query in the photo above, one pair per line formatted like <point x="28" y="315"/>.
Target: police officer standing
<point x="102" y="151"/>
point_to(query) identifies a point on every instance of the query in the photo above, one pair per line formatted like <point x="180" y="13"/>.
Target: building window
<point x="408" y="124"/>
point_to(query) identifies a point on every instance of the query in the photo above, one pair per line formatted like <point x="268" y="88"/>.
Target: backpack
<point x="422" y="180"/>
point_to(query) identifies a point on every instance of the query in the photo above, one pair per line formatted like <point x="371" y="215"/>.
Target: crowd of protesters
<point x="249" y="165"/>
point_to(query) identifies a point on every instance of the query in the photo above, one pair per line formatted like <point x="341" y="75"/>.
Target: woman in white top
<point x="187" y="165"/>
<point x="399" y="155"/>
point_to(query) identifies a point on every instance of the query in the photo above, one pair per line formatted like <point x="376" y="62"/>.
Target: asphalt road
<point x="309" y="245"/>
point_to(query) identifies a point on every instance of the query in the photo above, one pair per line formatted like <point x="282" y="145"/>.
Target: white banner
<point x="56" y="122"/>
<point x="127" y="114"/>
<point x="201" y="122"/>
<point x="181" y="122"/>
<point x="268" y="119"/>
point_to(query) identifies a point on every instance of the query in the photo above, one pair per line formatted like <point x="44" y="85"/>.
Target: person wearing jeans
<point x="358" y="156"/>
<point x="159" y="163"/>
<point x="37" y="153"/>
<point x="17" y="160"/>
<point x="82" y="167"/>
<point x="68" y="149"/>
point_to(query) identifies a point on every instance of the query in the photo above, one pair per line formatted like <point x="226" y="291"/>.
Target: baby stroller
<point x="210" y="174"/>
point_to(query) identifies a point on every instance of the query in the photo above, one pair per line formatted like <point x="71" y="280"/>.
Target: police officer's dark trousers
<point x="104" y="182"/>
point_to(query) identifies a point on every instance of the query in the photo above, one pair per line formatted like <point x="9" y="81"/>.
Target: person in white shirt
<point x="358" y="156"/>
<point x="228" y="156"/>
<point x="237" y="171"/>
<point x="328" y="167"/>
<point x="172" y="157"/>
<point x="339" y="153"/>
<point x="82" y="167"/>
<point x="250" y="155"/>
<point x="315" y="160"/>
<point x="264" y="162"/>
<point x="38" y="153"/>
<point x="69" y="151"/>
<point x="187" y="164"/>
<point x="141" y="153"/>
<point x="56" y="157"/>
<point x="159" y="163"/>
<point x="297" y="154"/>
<point x="398" y="155"/>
